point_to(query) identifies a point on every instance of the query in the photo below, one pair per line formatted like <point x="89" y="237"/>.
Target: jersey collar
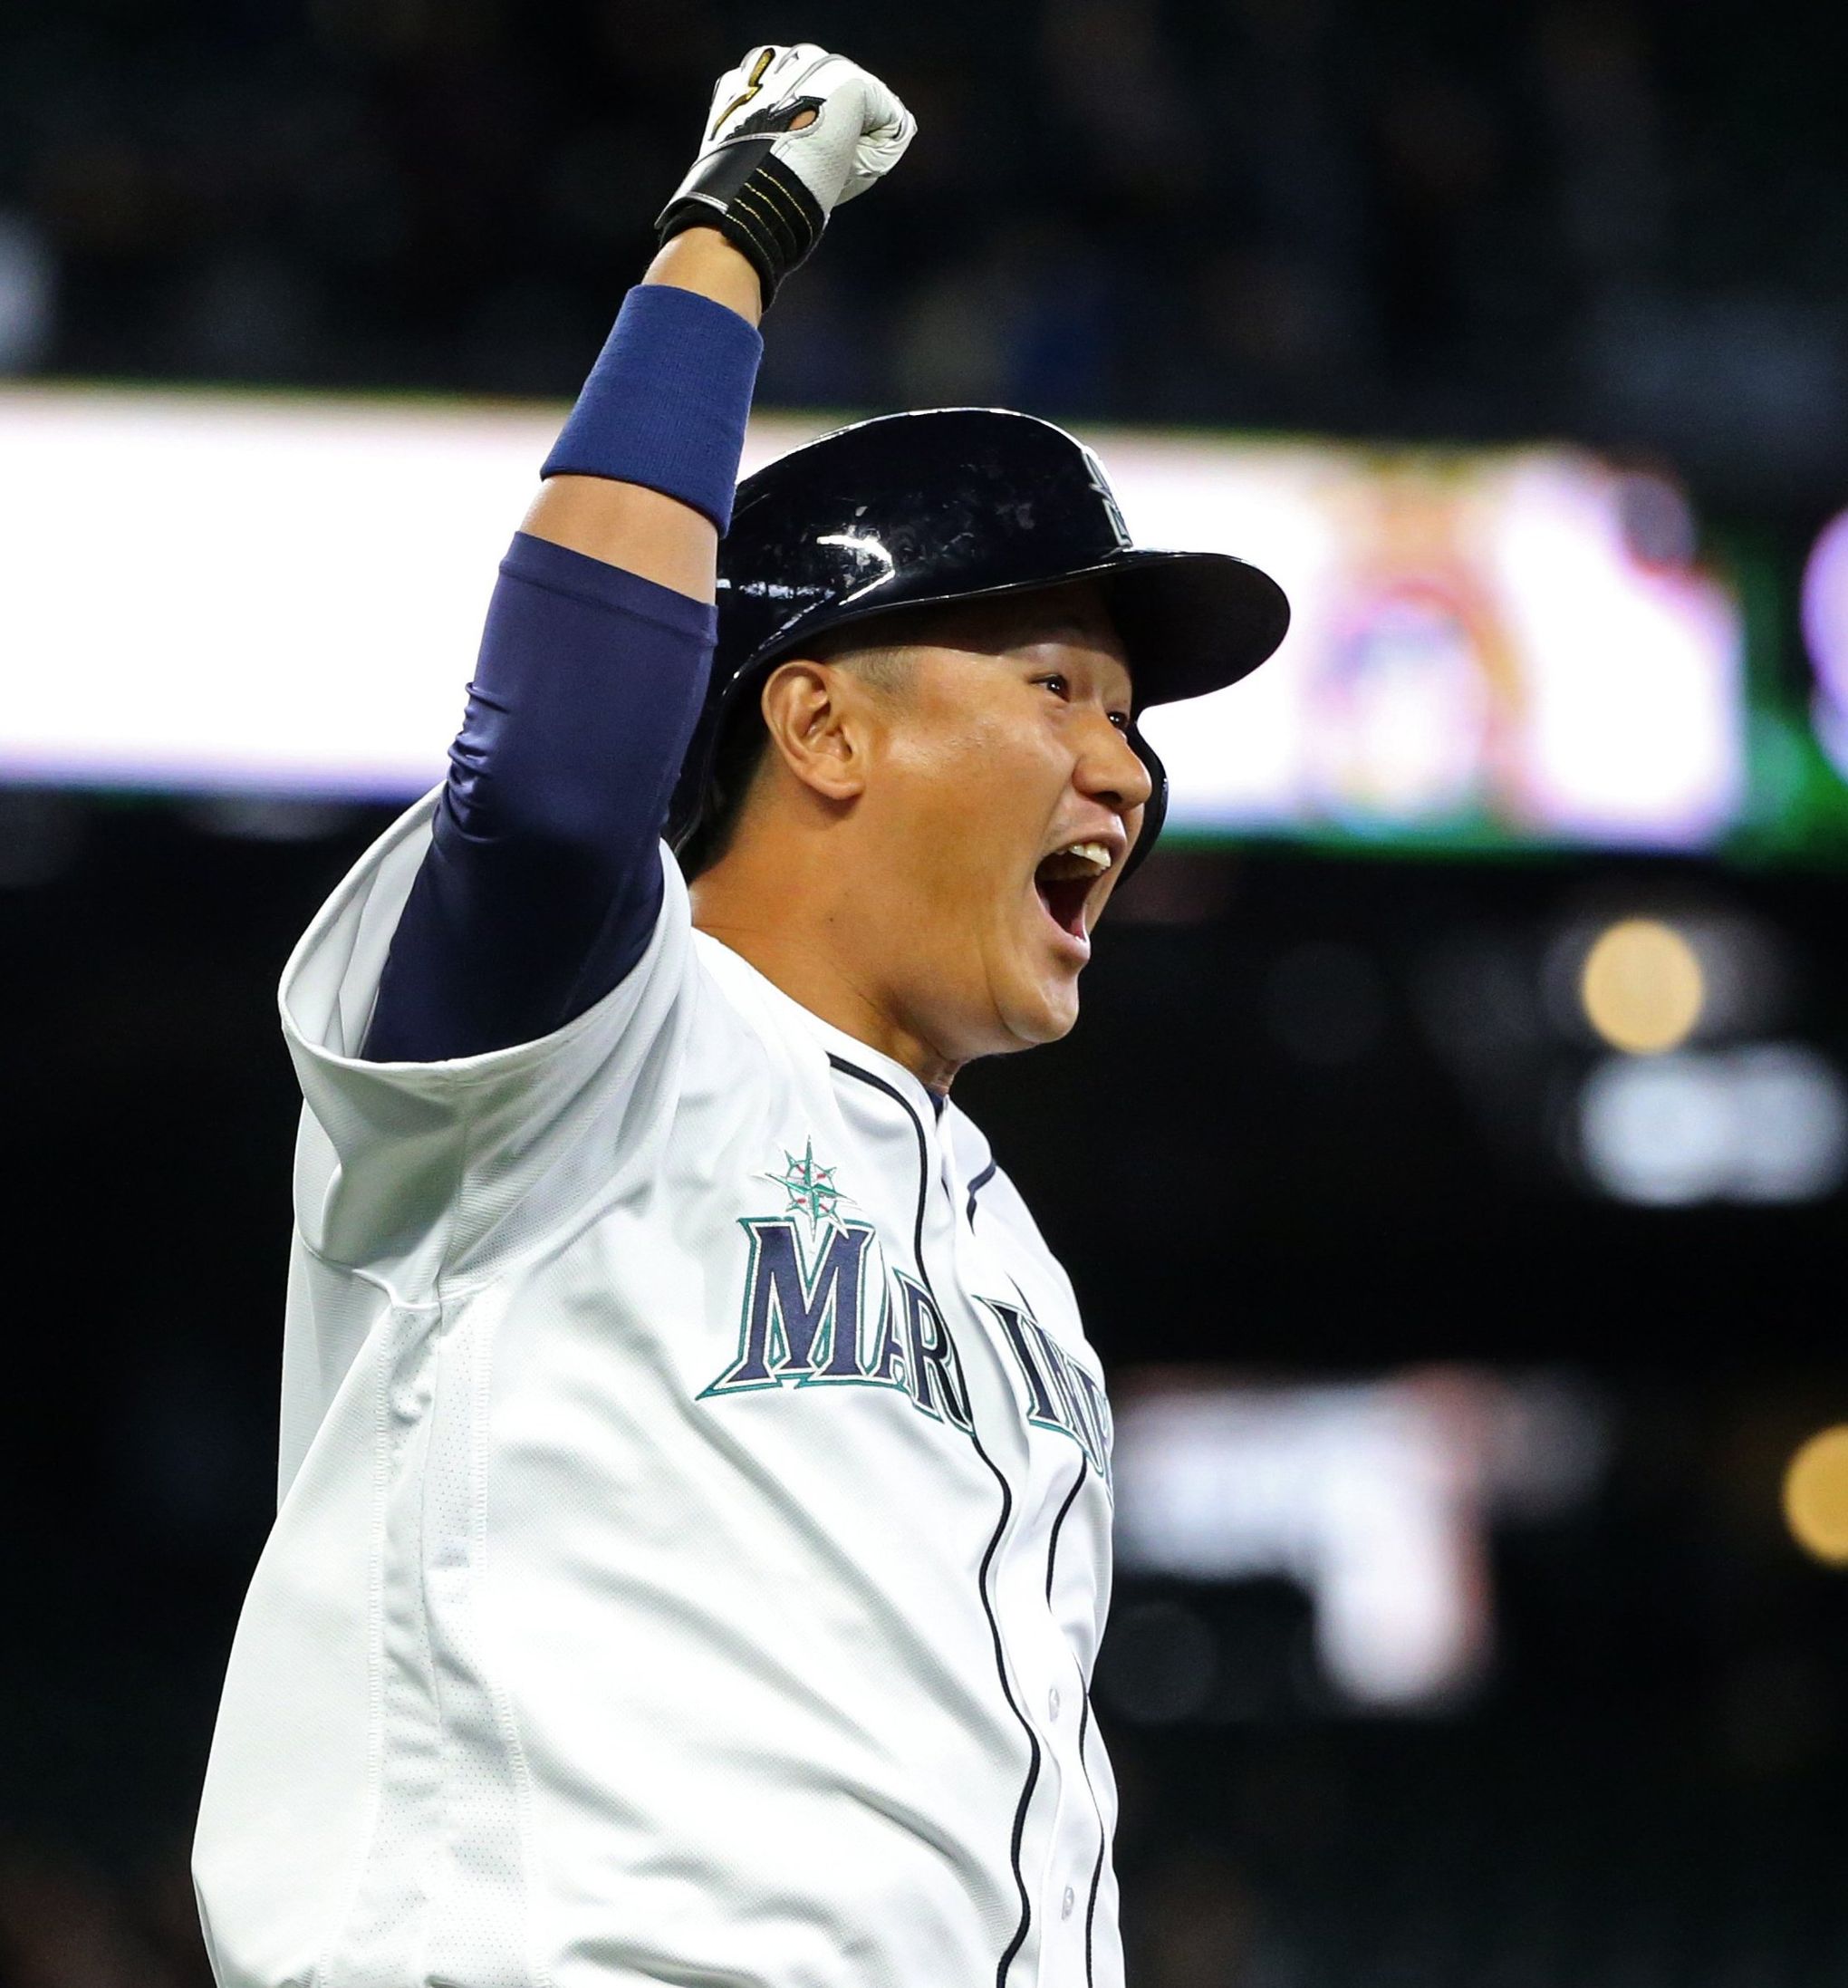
<point x="734" y="969"/>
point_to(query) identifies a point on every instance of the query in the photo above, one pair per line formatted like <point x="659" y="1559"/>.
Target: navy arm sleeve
<point x="542" y="881"/>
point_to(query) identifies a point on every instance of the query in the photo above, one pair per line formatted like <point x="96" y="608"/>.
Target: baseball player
<point x="693" y="1539"/>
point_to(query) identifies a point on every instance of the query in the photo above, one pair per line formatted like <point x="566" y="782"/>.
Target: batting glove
<point x="769" y="188"/>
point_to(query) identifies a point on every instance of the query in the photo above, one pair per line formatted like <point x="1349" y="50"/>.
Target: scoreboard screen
<point x="1491" y="650"/>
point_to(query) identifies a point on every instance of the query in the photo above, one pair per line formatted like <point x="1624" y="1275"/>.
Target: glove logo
<point x="753" y="83"/>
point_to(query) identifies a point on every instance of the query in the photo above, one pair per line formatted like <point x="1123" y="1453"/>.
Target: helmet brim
<point x="1191" y="622"/>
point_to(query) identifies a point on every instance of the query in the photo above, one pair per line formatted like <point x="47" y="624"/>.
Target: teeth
<point x="1093" y="852"/>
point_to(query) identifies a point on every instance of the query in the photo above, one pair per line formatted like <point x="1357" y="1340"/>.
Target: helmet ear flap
<point x="1155" y="809"/>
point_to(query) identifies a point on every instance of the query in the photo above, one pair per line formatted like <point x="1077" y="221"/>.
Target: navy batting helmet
<point x="908" y="510"/>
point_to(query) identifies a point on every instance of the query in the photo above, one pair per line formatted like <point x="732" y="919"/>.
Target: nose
<point x="1110" y="770"/>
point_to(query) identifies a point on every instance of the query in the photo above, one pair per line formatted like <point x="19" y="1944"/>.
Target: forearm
<point x="626" y="524"/>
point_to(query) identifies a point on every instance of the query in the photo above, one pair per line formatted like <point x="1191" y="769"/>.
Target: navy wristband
<point x="666" y="402"/>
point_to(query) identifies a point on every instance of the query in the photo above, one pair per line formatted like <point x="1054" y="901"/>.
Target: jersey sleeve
<point x="430" y="1176"/>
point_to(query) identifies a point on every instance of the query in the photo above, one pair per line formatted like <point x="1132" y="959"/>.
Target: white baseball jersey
<point x="694" y="1530"/>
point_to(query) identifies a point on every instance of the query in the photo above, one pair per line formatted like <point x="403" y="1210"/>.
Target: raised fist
<point x="793" y="132"/>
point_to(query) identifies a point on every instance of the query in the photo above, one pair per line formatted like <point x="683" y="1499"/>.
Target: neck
<point x="791" y="921"/>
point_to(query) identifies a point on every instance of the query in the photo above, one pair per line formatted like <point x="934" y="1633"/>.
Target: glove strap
<point x="760" y="207"/>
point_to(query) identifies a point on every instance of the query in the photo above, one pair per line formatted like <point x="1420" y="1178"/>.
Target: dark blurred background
<point x="1622" y="219"/>
<point x="1321" y="1126"/>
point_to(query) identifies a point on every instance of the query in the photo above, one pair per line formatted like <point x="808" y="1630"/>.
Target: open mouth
<point x="1065" y="879"/>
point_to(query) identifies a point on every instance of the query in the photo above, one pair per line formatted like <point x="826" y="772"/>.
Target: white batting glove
<point x="769" y="188"/>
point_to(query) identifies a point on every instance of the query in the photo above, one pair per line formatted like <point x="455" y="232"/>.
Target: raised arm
<point x="542" y="881"/>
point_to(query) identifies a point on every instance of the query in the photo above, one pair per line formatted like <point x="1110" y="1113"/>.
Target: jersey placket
<point x="1046" y="1475"/>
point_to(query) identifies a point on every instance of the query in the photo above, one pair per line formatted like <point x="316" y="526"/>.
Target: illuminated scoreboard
<point x="1485" y="648"/>
<point x="282" y="595"/>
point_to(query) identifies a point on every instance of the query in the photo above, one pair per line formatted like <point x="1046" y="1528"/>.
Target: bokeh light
<point x="1641" y="987"/>
<point x="1825" y="634"/>
<point x="1815" y="1496"/>
<point x="1764" y="1122"/>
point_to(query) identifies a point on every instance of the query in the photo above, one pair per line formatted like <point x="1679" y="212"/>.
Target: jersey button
<point x="1067" y="1902"/>
<point x="1052" y="1702"/>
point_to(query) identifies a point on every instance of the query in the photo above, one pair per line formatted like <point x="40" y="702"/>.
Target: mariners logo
<point x="823" y="1306"/>
<point x="810" y="1188"/>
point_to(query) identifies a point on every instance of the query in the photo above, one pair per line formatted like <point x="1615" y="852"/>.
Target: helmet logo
<point x="1094" y="469"/>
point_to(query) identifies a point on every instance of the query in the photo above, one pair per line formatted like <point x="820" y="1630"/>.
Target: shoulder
<point x="332" y="976"/>
<point x="447" y="1170"/>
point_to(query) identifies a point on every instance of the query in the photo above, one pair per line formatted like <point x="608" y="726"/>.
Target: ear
<point x="818" y="721"/>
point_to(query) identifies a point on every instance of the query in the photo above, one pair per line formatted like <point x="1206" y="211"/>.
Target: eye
<point x="1120" y="719"/>
<point x="1059" y="686"/>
